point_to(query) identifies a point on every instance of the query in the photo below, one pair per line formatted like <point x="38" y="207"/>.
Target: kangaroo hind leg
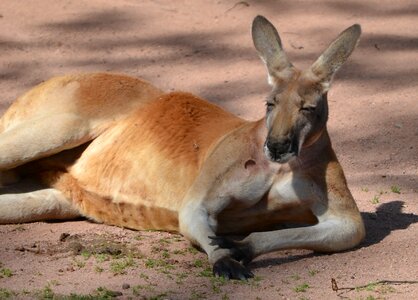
<point x="28" y="202"/>
<point x="41" y="137"/>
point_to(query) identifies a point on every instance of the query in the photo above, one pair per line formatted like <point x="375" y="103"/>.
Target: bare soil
<point x="205" y="47"/>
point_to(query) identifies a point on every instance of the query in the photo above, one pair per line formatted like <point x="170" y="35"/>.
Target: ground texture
<point x="205" y="47"/>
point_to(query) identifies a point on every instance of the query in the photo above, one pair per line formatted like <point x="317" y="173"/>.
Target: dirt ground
<point x="205" y="47"/>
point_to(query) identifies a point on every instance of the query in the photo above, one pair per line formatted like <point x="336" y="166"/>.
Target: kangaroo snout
<point x="279" y="149"/>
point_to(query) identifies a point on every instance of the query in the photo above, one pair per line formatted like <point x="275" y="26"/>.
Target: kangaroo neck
<point x="316" y="152"/>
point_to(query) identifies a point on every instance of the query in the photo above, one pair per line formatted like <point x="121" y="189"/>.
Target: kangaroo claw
<point x="231" y="269"/>
<point x="240" y="251"/>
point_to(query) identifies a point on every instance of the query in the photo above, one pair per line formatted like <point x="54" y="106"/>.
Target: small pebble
<point x="126" y="286"/>
<point x="64" y="236"/>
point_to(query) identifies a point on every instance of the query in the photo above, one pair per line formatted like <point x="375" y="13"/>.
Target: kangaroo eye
<point x="269" y="106"/>
<point x="308" y="109"/>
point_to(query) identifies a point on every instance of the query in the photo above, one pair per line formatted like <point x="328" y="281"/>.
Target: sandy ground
<point x="205" y="47"/>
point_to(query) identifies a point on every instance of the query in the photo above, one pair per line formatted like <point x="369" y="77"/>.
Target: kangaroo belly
<point x="154" y="156"/>
<point x="103" y="209"/>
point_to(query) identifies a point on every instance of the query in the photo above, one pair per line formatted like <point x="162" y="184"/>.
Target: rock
<point x="126" y="286"/>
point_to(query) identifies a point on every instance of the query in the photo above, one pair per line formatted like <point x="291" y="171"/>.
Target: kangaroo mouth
<point x="278" y="157"/>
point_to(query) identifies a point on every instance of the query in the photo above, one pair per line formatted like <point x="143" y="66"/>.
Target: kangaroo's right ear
<point x="269" y="46"/>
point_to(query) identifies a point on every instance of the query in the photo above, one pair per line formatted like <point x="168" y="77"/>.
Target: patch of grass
<point x="225" y="297"/>
<point x="180" y="277"/>
<point x="6" y="273"/>
<point x="79" y="263"/>
<point x="24" y="292"/>
<point x="301" y="288"/>
<point x="101" y="257"/>
<point x="378" y="287"/>
<point x="206" y="272"/>
<point x="85" y="254"/>
<point x="313" y="272"/>
<point x="369" y="287"/>
<point x="217" y="282"/>
<point x="179" y="252"/>
<point x="159" y="296"/>
<point x="385" y="289"/>
<point x="165" y="254"/>
<point x="137" y="289"/>
<point x="364" y="189"/>
<point x="395" y="189"/>
<point x="46" y="293"/>
<point x="196" y="295"/>
<point x="156" y="249"/>
<point x="6" y="293"/>
<point x="295" y="277"/>
<point x="198" y="263"/>
<point x="98" y="269"/>
<point x="254" y="282"/>
<point x="375" y="199"/>
<point x="54" y="282"/>
<point x="152" y="230"/>
<point x="152" y="263"/>
<point x="164" y="241"/>
<point x="119" y="266"/>
<point x="192" y="250"/>
<point x="104" y="293"/>
<point x="139" y="238"/>
<point x="74" y="296"/>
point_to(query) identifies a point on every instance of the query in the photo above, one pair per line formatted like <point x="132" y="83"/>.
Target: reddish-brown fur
<point x="177" y="139"/>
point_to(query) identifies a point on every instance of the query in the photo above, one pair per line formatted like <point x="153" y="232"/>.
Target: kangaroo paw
<point x="240" y="251"/>
<point x="231" y="269"/>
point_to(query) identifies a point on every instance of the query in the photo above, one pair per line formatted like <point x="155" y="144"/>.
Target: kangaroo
<point x="118" y="150"/>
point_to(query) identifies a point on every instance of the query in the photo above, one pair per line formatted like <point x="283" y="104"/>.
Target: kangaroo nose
<point x="278" y="147"/>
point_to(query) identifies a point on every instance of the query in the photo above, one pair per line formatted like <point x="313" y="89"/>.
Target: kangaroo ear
<point x="335" y="56"/>
<point x="269" y="46"/>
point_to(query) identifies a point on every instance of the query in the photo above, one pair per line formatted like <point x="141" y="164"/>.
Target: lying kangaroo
<point x="118" y="150"/>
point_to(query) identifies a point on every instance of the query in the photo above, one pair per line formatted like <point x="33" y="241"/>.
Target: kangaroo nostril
<point x="270" y="144"/>
<point x="279" y="147"/>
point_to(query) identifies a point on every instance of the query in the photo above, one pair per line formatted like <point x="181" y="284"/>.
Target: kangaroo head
<point x="297" y="109"/>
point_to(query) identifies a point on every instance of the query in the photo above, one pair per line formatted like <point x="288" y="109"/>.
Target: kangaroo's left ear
<point x="335" y="56"/>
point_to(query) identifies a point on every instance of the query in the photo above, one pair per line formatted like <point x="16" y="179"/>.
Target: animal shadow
<point x="387" y="218"/>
